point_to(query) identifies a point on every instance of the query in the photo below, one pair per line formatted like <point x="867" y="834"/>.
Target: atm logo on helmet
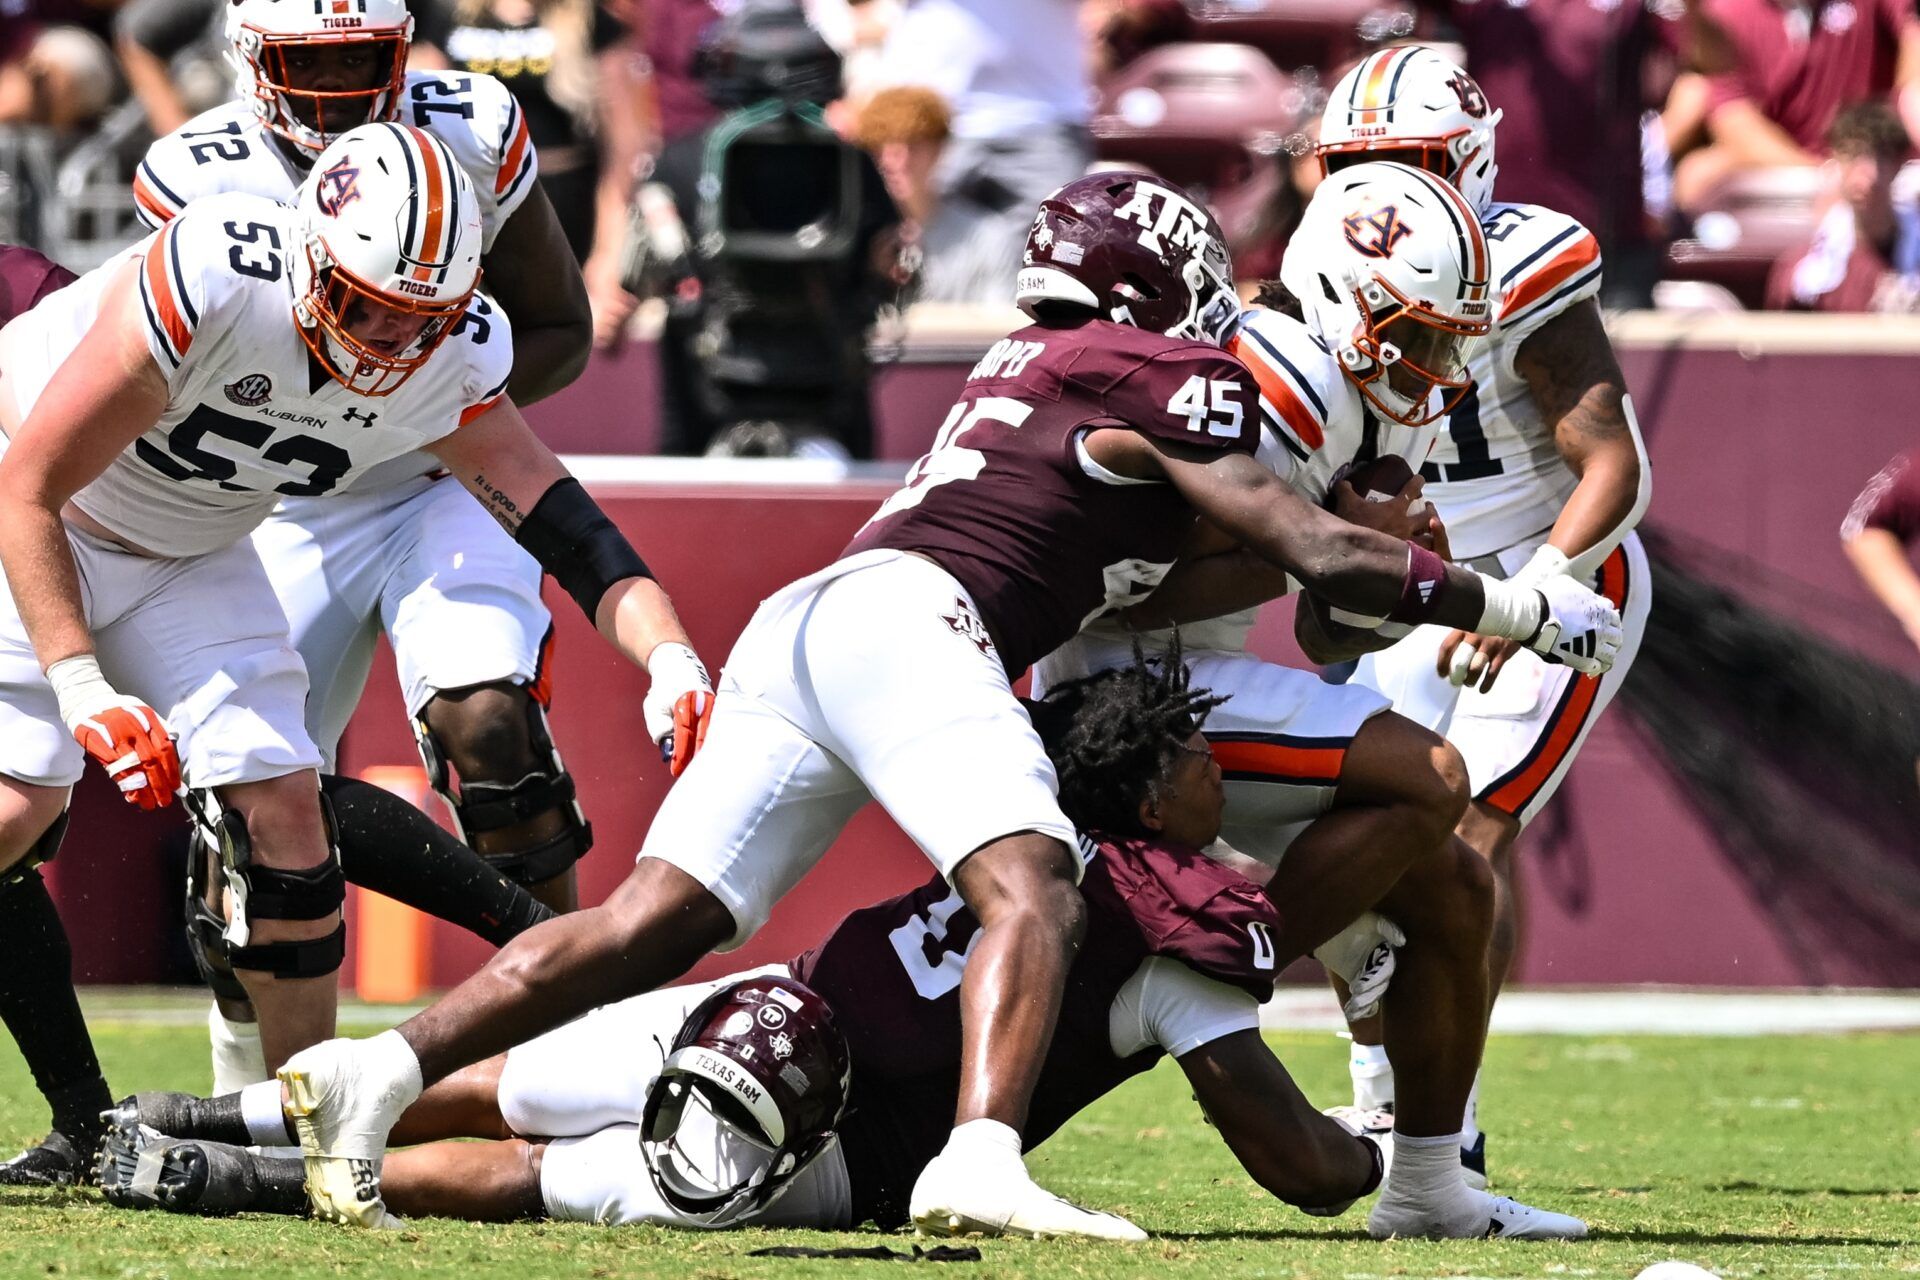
<point x="1178" y="221"/>
<point x="1375" y="234"/>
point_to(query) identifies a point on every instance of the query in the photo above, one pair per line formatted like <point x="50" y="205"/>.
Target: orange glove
<point x="692" y="713"/>
<point x="124" y="735"/>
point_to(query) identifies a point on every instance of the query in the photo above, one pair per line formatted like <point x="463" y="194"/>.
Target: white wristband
<point x="79" y="687"/>
<point x="1512" y="610"/>
<point x="671" y="663"/>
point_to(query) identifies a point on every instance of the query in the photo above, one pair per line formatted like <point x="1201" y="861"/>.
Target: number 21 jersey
<point x="250" y="415"/>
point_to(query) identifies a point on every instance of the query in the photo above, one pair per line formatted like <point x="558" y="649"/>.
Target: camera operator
<point x="774" y="243"/>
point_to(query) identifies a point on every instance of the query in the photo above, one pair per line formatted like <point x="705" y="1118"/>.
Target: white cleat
<point x="952" y="1199"/>
<point x="343" y="1117"/>
<point x="1479" y="1217"/>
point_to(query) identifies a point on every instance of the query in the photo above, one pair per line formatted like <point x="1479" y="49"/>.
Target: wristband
<point x="1546" y="562"/>
<point x="1513" y="610"/>
<point x="575" y="542"/>
<point x="1424" y="587"/>
<point x="79" y="687"/>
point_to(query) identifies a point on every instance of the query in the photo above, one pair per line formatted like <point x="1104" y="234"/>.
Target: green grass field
<point x="1764" y="1157"/>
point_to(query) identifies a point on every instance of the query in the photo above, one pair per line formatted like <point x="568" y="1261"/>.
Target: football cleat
<point x="147" y="1170"/>
<point x="1473" y="1164"/>
<point x="342" y="1120"/>
<point x="1479" y="1217"/>
<point x="53" y="1162"/>
<point x="954" y="1198"/>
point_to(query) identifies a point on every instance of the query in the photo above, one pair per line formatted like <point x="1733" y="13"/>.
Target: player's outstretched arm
<point x="1290" y="1149"/>
<point x="529" y="491"/>
<point x="98" y="403"/>
<point x="531" y="272"/>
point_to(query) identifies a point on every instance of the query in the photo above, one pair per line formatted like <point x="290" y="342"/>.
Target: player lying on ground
<point x="155" y="411"/>
<point x="1073" y="464"/>
<point x="625" y="1116"/>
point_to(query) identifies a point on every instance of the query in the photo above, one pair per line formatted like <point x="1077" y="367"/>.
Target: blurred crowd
<point x="1728" y="154"/>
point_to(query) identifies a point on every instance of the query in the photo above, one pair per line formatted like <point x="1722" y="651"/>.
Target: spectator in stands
<point x="668" y="32"/>
<point x="1865" y="253"/>
<point x="1880" y="533"/>
<point x="1015" y="73"/>
<point x="1795" y="64"/>
<point x="583" y="86"/>
<point x="1121" y="30"/>
<point x="171" y="51"/>
<point x="58" y="76"/>
<point x="1568" y="76"/>
<point x="904" y="129"/>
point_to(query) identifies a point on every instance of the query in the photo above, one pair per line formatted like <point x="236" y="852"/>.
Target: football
<point x="1381" y="478"/>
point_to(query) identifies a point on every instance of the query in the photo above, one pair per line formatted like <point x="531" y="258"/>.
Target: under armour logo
<point x="364" y="419"/>
<point x="1375" y="234"/>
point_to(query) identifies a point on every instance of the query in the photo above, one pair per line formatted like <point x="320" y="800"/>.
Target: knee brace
<point x="260" y="892"/>
<point x="488" y="806"/>
<point x="38" y="854"/>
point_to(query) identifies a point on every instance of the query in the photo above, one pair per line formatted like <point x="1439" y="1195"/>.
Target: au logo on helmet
<point x="1375" y="234"/>
<point x="339" y="187"/>
<point x="1472" y="101"/>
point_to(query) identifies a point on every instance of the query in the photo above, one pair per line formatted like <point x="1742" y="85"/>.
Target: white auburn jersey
<point x="250" y="415"/>
<point x="1495" y="474"/>
<point x="1313" y="424"/>
<point x="228" y="149"/>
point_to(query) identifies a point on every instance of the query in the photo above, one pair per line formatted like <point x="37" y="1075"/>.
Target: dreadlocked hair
<point x="1113" y="735"/>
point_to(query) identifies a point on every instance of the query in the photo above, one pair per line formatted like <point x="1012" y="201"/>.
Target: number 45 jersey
<point x="227" y="149"/>
<point x="1009" y="503"/>
<point x="250" y="415"/>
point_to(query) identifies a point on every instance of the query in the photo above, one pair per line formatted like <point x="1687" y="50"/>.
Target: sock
<point x="1423" y="1167"/>
<point x="42" y="1011"/>
<point x="1372" y="1076"/>
<point x="238" y="1057"/>
<point x="984" y="1137"/>
<point x="392" y="848"/>
<point x="1470" y="1126"/>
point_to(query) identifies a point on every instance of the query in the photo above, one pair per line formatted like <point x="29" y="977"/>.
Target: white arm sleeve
<point x="1167" y="1004"/>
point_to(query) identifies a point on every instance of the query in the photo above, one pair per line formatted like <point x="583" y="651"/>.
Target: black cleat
<point x="1473" y="1164"/>
<point x="166" y="1113"/>
<point x="55" y="1162"/>
<point x="147" y="1170"/>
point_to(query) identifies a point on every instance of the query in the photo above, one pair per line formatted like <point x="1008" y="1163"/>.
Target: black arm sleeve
<point x="573" y="540"/>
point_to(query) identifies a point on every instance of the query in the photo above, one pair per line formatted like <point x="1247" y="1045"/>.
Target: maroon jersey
<point x="1003" y="503"/>
<point x="1891" y="501"/>
<point x="26" y="277"/>
<point x="892" y="975"/>
<point x="1799" y="67"/>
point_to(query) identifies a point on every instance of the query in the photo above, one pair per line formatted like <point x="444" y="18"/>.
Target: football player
<point x="1076" y="457"/>
<point x="154" y="411"/>
<point x="1389" y="280"/>
<point x="1541" y="474"/>
<point x="411" y="556"/>
<point x="714" y="1104"/>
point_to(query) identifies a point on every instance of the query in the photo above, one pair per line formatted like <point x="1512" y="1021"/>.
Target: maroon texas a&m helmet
<point x="1132" y="249"/>
<point x="748" y="1097"/>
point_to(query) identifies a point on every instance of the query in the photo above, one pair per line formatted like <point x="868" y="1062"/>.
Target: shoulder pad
<point x="1543" y="262"/>
<point x="484" y="339"/>
<point x="1300" y="385"/>
<point x="1190" y="393"/>
<point x="189" y="285"/>
<point x="1189" y="908"/>
<point x="198" y="159"/>
<point x="481" y="123"/>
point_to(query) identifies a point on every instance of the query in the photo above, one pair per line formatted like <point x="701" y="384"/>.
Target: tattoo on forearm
<point x="498" y="504"/>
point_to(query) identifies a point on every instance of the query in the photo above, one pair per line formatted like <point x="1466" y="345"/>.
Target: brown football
<point x="1381" y="478"/>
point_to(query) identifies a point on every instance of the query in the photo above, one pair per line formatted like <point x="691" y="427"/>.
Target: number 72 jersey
<point x="251" y="416"/>
<point x="227" y="149"/>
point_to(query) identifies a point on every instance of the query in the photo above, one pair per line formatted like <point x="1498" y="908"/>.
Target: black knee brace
<point x="264" y="893"/>
<point x="206" y="927"/>
<point x="40" y="853"/>
<point x="488" y="806"/>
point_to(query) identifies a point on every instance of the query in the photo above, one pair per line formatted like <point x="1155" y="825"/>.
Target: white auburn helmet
<point x="1391" y="271"/>
<point x="261" y="34"/>
<point x="389" y="227"/>
<point x="1410" y="99"/>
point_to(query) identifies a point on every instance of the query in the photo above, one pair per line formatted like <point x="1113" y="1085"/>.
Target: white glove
<point x="1546" y="562"/>
<point x="1582" y="628"/>
<point x="123" y="735"/>
<point x="1362" y="956"/>
<point x="679" y="703"/>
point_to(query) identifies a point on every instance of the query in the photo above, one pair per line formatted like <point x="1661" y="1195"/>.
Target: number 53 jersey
<point x="251" y="416"/>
